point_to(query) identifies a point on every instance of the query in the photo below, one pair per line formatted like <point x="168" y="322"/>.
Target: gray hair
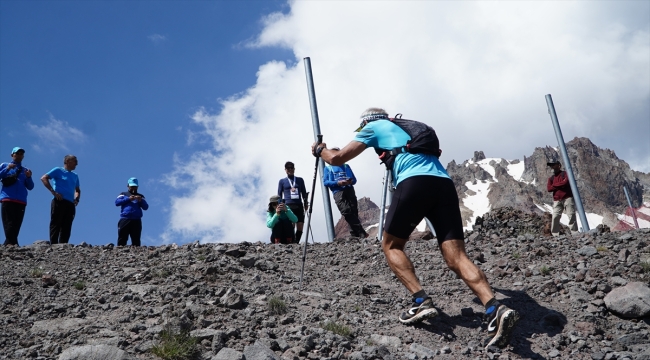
<point x="68" y="157"/>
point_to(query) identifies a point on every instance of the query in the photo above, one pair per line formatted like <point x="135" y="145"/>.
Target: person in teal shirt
<point x="280" y="219"/>
<point x="65" y="188"/>
<point x="423" y="189"/>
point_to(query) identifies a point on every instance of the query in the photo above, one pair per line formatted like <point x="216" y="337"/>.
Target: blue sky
<point x="204" y="101"/>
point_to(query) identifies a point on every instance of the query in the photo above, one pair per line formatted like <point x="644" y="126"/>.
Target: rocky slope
<point x="580" y="297"/>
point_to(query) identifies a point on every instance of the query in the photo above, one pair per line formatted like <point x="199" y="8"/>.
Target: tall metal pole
<point x="636" y="223"/>
<point x="327" y="206"/>
<point x="567" y="163"/>
<point x="382" y="207"/>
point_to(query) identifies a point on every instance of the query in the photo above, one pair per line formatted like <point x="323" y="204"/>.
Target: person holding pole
<point x="423" y="189"/>
<point x="341" y="180"/>
<point x="563" y="201"/>
<point x="292" y="190"/>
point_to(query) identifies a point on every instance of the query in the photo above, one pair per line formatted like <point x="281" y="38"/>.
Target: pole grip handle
<point x="320" y="138"/>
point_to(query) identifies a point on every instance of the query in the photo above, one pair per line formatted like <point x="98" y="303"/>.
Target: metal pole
<point x="382" y="207"/>
<point x="430" y="225"/>
<point x="327" y="206"/>
<point x="636" y="223"/>
<point x="567" y="163"/>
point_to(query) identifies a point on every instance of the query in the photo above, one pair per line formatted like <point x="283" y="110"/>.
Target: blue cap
<point x="133" y="182"/>
<point x="17" y="149"/>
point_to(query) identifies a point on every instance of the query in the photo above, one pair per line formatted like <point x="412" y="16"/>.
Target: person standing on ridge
<point x="16" y="180"/>
<point x="423" y="189"/>
<point x="66" y="191"/>
<point x="292" y="190"/>
<point x="563" y="201"/>
<point x="130" y="223"/>
<point x="341" y="180"/>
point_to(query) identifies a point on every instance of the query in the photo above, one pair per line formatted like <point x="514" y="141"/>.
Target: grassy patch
<point x="79" y="285"/>
<point x="276" y="305"/>
<point x="545" y="270"/>
<point x="601" y="248"/>
<point x="337" y="328"/>
<point x="200" y="257"/>
<point x="36" y="273"/>
<point x="357" y="308"/>
<point x="175" y="345"/>
<point x="645" y="265"/>
<point x="162" y="273"/>
<point x="516" y="255"/>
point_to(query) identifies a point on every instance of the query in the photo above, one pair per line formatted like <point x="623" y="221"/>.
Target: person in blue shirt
<point x="294" y="193"/>
<point x="280" y="219"/>
<point x="63" y="183"/>
<point x="130" y="223"/>
<point x="341" y="180"/>
<point x="423" y="189"/>
<point x="16" y="181"/>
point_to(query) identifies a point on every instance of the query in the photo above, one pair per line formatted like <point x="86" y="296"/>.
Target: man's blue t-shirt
<point x="383" y="134"/>
<point x="64" y="182"/>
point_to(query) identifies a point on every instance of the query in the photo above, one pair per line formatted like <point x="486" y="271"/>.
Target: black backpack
<point x="423" y="141"/>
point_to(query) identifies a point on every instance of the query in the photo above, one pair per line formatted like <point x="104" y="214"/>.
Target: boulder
<point x="629" y="301"/>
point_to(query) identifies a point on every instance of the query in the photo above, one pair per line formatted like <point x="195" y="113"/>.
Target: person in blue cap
<point x="130" y="223"/>
<point x="65" y="188"/>
<point x="16" y="180"/>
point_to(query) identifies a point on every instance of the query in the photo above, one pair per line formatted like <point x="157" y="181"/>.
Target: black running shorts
<point x="422" y="196"/>
<point x="298" y="210"/>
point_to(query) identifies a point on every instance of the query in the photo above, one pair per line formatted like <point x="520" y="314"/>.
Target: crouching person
<point x="280" y="219"/>
<point x="130" y="223"/>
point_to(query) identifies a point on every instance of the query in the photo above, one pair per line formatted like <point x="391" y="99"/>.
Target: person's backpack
<point x="423" y="141"/>
<point x="13" y="178"/>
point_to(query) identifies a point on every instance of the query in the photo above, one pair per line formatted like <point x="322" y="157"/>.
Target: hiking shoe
<point x="500" y="325"/>
<point x="418" y="312"/>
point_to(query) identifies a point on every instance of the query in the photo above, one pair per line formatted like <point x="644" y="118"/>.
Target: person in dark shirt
<point x="562" y="198"/>
<point x="292" y="190"/>
<point x="130" y="223"/>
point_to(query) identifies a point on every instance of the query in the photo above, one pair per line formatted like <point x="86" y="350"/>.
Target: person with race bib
<point x="292" y="190"/>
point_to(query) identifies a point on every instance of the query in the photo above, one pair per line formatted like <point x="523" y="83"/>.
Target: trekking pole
<point x="627" y="196"/>
<point x="311" y="206"/>
<point x="382" y="207"/>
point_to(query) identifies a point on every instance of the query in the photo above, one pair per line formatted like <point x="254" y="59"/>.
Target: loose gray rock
<point x="629" y="301"/>
<point x="587" y="251"/>
<point x="228" y="354"/>
<point x="258" y="352"/>
<point x="94" y="352"/>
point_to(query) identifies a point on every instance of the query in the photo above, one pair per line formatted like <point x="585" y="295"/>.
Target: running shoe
<point x="500" y="325"/>
<point x="418" y="312"/>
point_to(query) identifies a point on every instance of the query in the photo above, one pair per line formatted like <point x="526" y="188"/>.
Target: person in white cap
<point x="130" y="223"/>
<point x="16" y="180"/>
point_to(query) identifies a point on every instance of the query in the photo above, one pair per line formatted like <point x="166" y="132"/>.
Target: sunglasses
<point x="290" y="168"/>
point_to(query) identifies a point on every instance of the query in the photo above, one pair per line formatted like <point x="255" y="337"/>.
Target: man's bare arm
<point x="340" y="157"/>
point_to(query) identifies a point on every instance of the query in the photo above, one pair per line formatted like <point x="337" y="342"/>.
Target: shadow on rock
<point x="535" y="320"/>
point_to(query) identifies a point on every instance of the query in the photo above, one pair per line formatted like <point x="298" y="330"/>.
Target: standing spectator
<point x="292" y="190"/>
<point x="16" y="180"/>
<point x="563" y="201"/>
<point x="65" y="188"/>
<point x="423" y="189"/>
<point x="280" y="219"/>
<point x="341" y="180"/>
<point x="130" y="223"/>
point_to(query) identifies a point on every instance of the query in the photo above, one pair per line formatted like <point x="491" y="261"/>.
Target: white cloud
<point x="55" y="135"/>
<point x="157" y="38"/>
<point x="476" y="71"/>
